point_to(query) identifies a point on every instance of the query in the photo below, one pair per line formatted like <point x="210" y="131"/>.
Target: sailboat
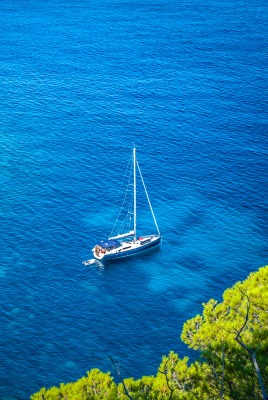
<point x="128" y="243"/>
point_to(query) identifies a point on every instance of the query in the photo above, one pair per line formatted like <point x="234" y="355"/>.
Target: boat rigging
<point x="127" y="243"/>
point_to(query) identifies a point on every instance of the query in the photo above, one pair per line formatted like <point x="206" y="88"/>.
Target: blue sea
<point x="80" y="83"/>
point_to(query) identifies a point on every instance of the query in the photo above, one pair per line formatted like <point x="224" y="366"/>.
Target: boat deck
<point x="126" y="248"/>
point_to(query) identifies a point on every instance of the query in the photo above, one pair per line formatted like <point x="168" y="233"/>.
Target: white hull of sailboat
<point x="128" y="248"/>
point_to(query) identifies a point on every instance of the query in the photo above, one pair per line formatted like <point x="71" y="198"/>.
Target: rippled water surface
<point x="80" y="83"/>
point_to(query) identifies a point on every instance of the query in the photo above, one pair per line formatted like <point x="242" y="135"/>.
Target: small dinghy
<point x="89" y="262"/>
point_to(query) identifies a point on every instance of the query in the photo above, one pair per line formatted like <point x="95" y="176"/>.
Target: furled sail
<point x="130" y="233"/>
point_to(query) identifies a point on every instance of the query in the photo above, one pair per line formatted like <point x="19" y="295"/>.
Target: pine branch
<point x="117" y="370"/>
<point x="251" y="352"/>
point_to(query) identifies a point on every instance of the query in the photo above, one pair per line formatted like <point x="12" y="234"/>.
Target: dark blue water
<point x="80" y="83"/>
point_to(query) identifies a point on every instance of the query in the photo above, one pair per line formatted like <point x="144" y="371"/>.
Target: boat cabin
<point x="106" y="245"/>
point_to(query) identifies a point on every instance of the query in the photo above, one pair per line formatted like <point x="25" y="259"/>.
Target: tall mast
<point x="135" y="195"/>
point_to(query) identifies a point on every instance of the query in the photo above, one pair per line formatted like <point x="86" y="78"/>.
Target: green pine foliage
<point x="95" y="386"/>
<point x="232" y="340"/>
<point x="230" y="333"/>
